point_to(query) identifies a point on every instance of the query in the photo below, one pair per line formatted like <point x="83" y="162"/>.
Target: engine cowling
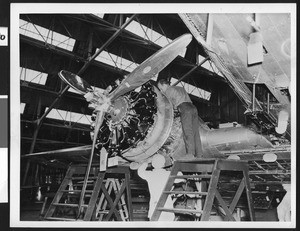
<point x="138" y="125"/>
<point x="142" y="123"/>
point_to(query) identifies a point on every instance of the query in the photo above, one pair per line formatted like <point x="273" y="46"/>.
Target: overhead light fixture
<point x="233" y="157"/>
<point x="282" y="122"/>
<point x="270" y="157"/>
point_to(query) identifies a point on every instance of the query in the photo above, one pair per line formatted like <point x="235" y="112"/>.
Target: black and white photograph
<point x="152" y="115"/>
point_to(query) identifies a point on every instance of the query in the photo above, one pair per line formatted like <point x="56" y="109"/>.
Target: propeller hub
<point x="119" y="110"/>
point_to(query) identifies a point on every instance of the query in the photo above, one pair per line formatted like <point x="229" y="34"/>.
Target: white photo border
<point x="24" y="8"/>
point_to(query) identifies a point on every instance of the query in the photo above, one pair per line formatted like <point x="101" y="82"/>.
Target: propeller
<point x="98" y="123"/>
<point x="151" y="66"/>
<point x="143" y="73"/>
<point x="102" y="102"/>
<point x="74" y="81"/>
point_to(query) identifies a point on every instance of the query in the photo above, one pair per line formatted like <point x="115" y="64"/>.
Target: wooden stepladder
<point x="206" y="170"/>
<point x="102" y="209"/>
<point x="103" y="196"/>
<point x="108" y="201"/>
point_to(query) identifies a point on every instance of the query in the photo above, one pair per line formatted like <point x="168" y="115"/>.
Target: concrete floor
<point x="31" y="211"/>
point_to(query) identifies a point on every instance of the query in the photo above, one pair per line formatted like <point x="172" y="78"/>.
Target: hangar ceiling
<point x="53" y="42"/>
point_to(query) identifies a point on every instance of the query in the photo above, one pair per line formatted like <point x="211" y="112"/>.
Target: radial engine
<point x="142" y="123"/>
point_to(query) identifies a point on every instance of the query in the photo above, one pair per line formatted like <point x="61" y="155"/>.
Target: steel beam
<point x="190" y="71"/>
<point x="209" y="31"/>
<point x="53" y="141"/>
<point x="106" y="44"/>
<point x="66" y="53"/>
<point x="82" y="129"/>
<point x="61" y="93"/>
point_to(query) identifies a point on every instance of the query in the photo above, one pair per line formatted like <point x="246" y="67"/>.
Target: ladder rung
<point x="191" y="176"/>
<point x="68" y="205"/>
<point x="65" y="204"/>
<point x="81" y="184"/>
<point x="186" y="192"/>
<point x="88" y="182"/>
<point x="76" y="191"/>
<point x="183" y="211"/>
<point x="59" y="219"/>
<point x="103" y="212"/>
<point x="82" y="177"/>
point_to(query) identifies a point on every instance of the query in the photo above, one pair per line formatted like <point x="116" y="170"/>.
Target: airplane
<point x="133" y="120"/>
<point x="134" y="125"/>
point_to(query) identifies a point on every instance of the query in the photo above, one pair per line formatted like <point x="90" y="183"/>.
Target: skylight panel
<point x="196" y="91"/>
<point x="22" y="108"/>
<point x="97" y="89"/>
<point x="210" y="66"/>
<point x="182" y="53"/>
<point x="71" y="89"/>
<point x="79" y="118"/>
<point x="46" y="35"/>
<point x="148" y="34"/>
<point x="116" y="61"/>
<point x="94" y="88"/>
<point x="99" y="15"/>
<point x="33" y="76"/>
<point x="67" y="116"/>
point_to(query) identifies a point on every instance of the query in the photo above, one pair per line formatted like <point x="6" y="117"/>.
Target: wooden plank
<point x="186" y="192"/>
<point x="60" y="219"/>
<point x="232" y="165"/>
<point x="65" y="205"/>
<point x="92" y="203"/>
<point x="103" y="203"/>
<point x="163" y="198"/>
<point x="228" y="213"/>
<point x="113" y="208"/>
<point x="211" y="194"/>
<point x="183" y="211"/>
<point x="59" y="193"/>
<point x="110" y="201"/>
<point x="200" y="176"/>
<point x="129" y="198"/>
<point x="249" y="195"/>
<point x="237" y="196"/>
<point x="82" y="178"/>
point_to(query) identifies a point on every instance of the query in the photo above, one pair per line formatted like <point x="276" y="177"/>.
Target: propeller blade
<point x="151" y="66"/>
<point x="66" y="152"/>
<point x="99" y="120"/>
<point x="75" y="82"/>
<point x="98" y="123"/>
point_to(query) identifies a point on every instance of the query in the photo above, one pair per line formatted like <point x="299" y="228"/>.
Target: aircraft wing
<point x="61" y="157"/>
<point x="249" y="50"/>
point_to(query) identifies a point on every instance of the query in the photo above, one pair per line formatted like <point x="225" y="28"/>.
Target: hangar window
<point x="33" y="76"/>
<point x="46" y="35"/>
<point x="68" y="117"/>
<point x="22" y="107"/>
<point x="148" y="34"/>
<point x="95" y="89"/>
<point x="196" y="91"/>
<point x="98" y="89"/>
<point x="99" y="15"/>
<point x="209" y="65"/>
<point x="73" y="90"/>
<point x="116" y="61"/>
<point x="151" y="35"/>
